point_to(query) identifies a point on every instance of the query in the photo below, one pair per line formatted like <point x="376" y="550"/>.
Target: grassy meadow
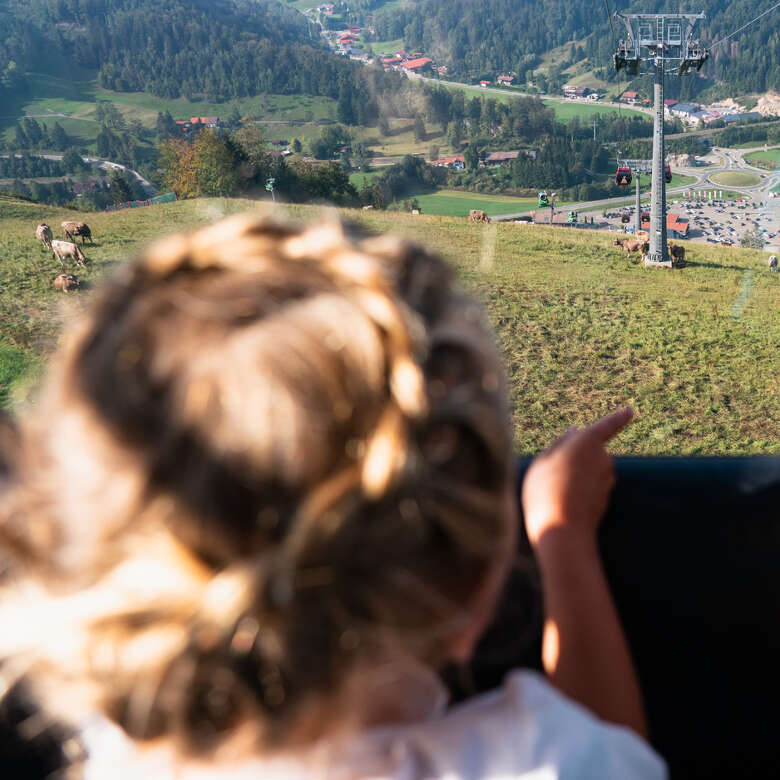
<point x="457" y="203"/>
<point x="566" y="110"/>
<point x="769" y="159"/>
<point x="582" y="329"/>
<point x="71" y="102"/>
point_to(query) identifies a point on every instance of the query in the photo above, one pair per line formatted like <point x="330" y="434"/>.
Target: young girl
<point x="267" y="494"/>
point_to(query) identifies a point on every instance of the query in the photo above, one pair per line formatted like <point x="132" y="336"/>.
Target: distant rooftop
<point x="418" y="63"/>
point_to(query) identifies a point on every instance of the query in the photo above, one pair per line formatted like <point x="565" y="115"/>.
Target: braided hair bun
<point x="278" y="454"/>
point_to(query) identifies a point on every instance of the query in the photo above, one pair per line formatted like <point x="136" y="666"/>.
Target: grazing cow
<point x="73" y="229"/>
<point x="476" y="215"/>
<point x="44" y="235"/>
<point x="63" y="249"/>
<point x="773" y="263"/>
<point x="630" y="245"/>
<point x="66" y="282"/>
<point x="677" y="252"/>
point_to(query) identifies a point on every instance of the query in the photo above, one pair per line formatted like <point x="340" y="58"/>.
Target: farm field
<point x="357" y="179"/>
<point x="582" y="329"/>
<point x="735" y="179"/>
<point x="385" y="47"/>
<point x="401" y="140"/>
<point x="769" y="159"/>
<point x="564" y="111"/>
<point x="302" y="5"/>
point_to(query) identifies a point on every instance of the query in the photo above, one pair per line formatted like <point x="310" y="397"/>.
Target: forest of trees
<point x="29" y="134"/>
<point x="476" y="39"/>
<point x="225" y="50"/>
<point x="118" y="187"/>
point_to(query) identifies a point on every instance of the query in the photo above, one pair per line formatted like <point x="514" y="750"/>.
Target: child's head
<point x="272" y="458"/>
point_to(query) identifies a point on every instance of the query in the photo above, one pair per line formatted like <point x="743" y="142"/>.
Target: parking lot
<point x="715" y="222"/>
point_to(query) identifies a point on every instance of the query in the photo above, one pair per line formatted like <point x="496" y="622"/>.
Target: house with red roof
<point x="456" y="161"/>
<point x="575" y="92"/>
<point x="629" y="97"/>
<point x="417" y="65"/>
<point x="676" y="226"/>
<point x="484" y="83"/>
<point x="505" y="81"/>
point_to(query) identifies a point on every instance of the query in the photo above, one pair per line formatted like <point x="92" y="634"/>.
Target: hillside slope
<point x="226" y="49"/>
<point x="582" y="329"/>
<point x="512" y="35"/>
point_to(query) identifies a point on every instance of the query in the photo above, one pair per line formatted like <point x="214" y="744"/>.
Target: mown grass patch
<point x="769" y="159"/>
<point x="735" y="179"/>
<point x="456" y="203"/>
<point x="361" y="177"/>
<point x="566" y="110"/>
<point x="581" y="328"/>
<point x="386" y="47"/>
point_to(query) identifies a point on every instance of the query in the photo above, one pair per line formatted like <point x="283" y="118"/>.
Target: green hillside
<point x="582" y="328"/>
<point x="554" y="42"/>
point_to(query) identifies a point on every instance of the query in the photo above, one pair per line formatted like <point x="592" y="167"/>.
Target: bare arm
<point x="584" y="650"/>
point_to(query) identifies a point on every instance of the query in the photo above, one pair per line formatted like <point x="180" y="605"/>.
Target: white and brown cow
<point x="64" y="249"/>
<point x="44" y="235"/>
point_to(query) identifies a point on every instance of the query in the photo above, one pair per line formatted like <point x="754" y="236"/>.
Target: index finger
<point x="605" y="428"/>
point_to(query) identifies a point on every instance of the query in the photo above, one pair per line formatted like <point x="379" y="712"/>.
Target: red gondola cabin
<point x="623" y="176"/>
<point x="667" y="174"/>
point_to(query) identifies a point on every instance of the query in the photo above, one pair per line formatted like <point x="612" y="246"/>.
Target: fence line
<point x="168" y="197"/>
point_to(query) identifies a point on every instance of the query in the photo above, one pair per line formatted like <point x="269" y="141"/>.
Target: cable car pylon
<point x="664" y="41"/>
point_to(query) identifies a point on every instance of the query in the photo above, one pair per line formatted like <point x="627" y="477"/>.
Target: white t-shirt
<point x="525" y="729"/>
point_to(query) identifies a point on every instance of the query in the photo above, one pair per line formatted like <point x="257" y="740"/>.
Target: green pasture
<point x="71" y="102"/>
<point x="401" y="139"/>
<point x="385" y="47"/>
<point x="582" y="329"/>
<point x="361" y="177"/>
<point x="302" y="5"/>
<point x="769" y="159"/>
<point x="456" y="203"/>
<point x="565" y="111"/>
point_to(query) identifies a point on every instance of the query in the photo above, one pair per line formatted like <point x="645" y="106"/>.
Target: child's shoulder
<point x="516" y="730"/>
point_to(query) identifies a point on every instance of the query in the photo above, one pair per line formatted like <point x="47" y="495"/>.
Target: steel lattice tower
<point x="665" y="41"/>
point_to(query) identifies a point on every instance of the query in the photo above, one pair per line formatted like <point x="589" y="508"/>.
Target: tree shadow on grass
<point x="719" y="266"/>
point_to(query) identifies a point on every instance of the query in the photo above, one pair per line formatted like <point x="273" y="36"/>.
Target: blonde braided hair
<point x="304" y="433"/>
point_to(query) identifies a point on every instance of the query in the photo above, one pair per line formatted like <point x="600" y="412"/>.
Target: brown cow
<point x="476" y="215"/>
<point x="73" y="229"/>
<point x="44" y="235"/>
<point x="630" y="245"/>
<point x="63" y="249"/>
<point x="677" y="252"/>
<point x="66" y="282"/>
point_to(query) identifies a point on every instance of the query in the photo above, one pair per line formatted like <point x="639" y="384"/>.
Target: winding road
<point x="105" y="165"/>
